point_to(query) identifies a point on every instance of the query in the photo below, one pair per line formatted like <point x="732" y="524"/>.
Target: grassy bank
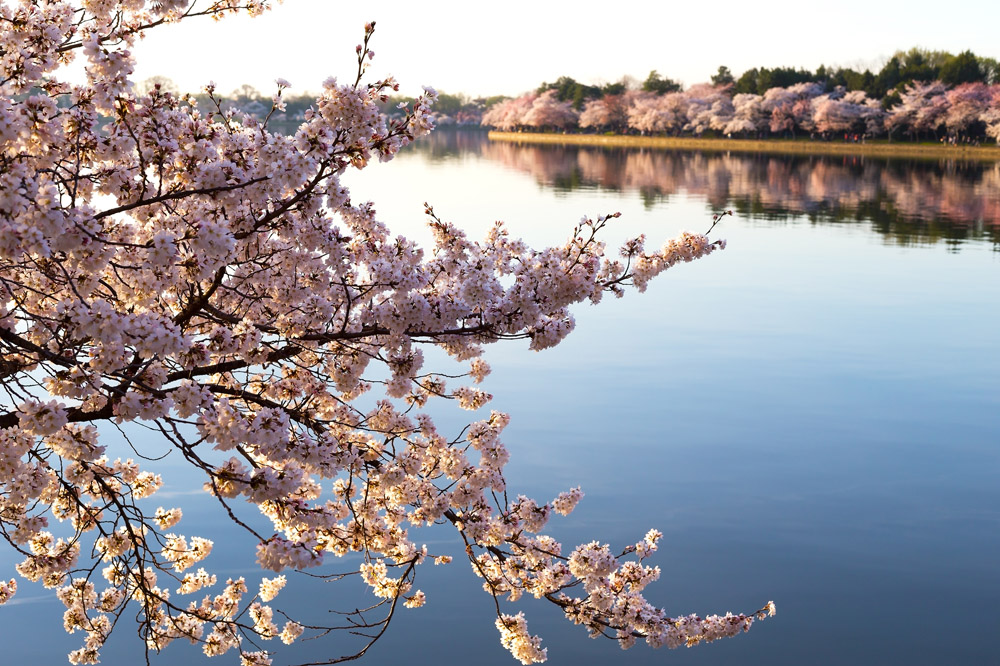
<point x="989" y="153"/>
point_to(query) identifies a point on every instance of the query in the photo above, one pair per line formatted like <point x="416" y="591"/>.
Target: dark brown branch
<point x="180" y="194"/>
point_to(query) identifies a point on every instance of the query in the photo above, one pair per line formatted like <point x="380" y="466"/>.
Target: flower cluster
<point x="515" y="637"/>
<point x="193" y="272"/>
<point x="968" y="109"/>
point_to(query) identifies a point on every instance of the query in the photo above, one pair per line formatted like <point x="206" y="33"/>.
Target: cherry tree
<point x="791" y="107"/>
<point x="610" y="111"/>
<point x="197" y="276"/>
<point x="921" y="108"/>
<point x="548" y="112"/>
<point x="966" y="103"/>
<point x="708" y="107"/>
<point x="650" y="113"/>
<point x="748" y="116"/>
<point x="842" y="111"/>
<point x="646" y="115"/>
<point x="510" y="114"/>
<point x="779" y="102"/>
<point x="596" y="114"/>
<point x="990" y="115"/>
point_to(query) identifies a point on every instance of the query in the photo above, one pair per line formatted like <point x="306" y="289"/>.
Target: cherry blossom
<point x="609" y="112"/>
<point x="190" y="272"/>
<point x="655" y="114"/>
<point x="842" y="111"/>
<point x="548" y="112"/>
<point x="966" y="104"/>
<point x="921" y="109"/>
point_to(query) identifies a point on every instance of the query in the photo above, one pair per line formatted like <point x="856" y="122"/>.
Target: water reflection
<point x="905" y="200"/>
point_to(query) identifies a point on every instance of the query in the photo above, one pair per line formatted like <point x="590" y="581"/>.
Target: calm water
<point x="810" y="416"/>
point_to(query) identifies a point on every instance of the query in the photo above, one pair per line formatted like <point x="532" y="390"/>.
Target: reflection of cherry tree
<point x="547" y="164"/>
<point x="778" y="185"/>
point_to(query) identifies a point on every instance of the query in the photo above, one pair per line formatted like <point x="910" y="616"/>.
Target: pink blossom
<point x="207" y="283"/>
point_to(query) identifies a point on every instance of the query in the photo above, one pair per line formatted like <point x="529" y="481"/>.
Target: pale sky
<point x="511" y="47"/>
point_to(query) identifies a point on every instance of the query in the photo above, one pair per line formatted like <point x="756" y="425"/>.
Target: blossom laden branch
<point x="235" y="301"/>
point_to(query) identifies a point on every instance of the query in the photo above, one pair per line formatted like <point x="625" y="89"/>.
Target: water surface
<point x="810" y="416"/>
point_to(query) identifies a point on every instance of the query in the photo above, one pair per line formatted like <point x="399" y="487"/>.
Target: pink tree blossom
<point x="990" y="116"/>
<point x="791" y="107"/>
<point x="510" y="114"/>
<point x="608" y="112"/>
<point x="749" y="115"/>
<point x="548" y="112"/>
<point x="708" y="107"/>
<point x="847" y="112"/>
<point x="595" y="115"/>
<point x="655" y="114"/>
<point x="966" y="104"/>
<point x="198" y="275"/>
<point x="921" y="108"/>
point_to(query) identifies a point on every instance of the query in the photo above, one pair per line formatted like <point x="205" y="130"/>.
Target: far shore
<point x="879" y="148"/>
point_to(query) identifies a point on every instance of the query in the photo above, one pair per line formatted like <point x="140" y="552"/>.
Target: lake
<point x="811" y="416"/>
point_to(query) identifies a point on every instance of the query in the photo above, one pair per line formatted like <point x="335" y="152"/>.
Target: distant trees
<point x="567" y="89"/>
<point x="723" y="77"/>
<point x="918" y="94"/>
<point x="162" y="83"/>
<point x="963" y="68"/>
<point x="759" y="81"/>
<point x="655" y="83"/>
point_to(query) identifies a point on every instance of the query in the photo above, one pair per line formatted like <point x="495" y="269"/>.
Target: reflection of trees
<point x="445" y="143"/>
<point x="907" y="200"/>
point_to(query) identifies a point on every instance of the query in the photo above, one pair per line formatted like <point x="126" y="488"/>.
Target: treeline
<point x="917" y="94"/>
<point x="246" y="98"/>
<point x="449" y="109"/>
<point x="901" y="69"/>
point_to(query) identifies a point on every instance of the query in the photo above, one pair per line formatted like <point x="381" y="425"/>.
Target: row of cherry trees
<point x="925" y="110"/>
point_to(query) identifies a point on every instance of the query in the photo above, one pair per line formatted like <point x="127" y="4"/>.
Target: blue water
<point x="810" y="416"/>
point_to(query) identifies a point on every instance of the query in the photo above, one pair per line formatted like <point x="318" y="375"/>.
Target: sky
<point x="508" y="48"/>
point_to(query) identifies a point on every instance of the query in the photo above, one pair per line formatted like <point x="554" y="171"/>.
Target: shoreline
<point x="989" y="153"/>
